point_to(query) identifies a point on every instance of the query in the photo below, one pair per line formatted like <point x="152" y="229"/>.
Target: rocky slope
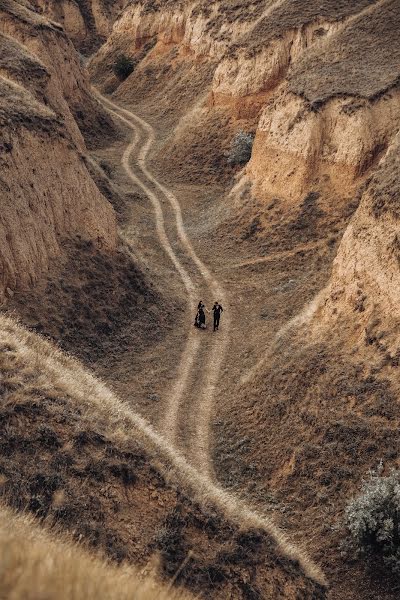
<point x="48" y="194"/>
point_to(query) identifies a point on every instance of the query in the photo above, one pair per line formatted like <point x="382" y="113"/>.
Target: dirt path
<point x="184" y="428"/>
<point x="185" y="423"/>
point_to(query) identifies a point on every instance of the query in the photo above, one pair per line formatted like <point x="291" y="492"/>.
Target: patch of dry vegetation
<point x="33" y="564"/>
<point x="293" y="14"/>
<point x="18" y="106"/>
<point x="361" y="60"/>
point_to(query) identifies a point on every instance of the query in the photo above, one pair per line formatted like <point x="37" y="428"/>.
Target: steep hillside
<point x="65" y="88"/>
<point x="74" y="454"/>
<point x="41" y="208"/>
<point x="328" y="389"/>
<point x="87" y="22"/>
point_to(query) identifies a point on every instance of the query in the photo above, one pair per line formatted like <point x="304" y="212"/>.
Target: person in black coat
<point x="217" y="310"/>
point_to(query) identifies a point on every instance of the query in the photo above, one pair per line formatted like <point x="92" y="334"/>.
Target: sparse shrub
<point x="373" y="519"/>
<point x="241" y="147"/>
<point x="123" y="67"/>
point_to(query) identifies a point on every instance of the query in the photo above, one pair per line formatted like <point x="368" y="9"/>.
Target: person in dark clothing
<point x="217" y="310"/>
<point x="200" y="320"/>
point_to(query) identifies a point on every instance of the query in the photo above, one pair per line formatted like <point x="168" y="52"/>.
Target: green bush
<point x="373" y="519"/>
<point x="123" y="67"/>
<point x="241" y="148"/>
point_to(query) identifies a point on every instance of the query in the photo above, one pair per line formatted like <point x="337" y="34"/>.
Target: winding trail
<point x="189" y="402"/>
<point x="194" y="462"/>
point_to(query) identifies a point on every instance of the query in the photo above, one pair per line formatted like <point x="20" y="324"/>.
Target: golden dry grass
<point x="57" y="372"/>
<point x="33" y="565"/>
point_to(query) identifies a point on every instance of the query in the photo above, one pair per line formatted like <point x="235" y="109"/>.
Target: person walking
<point x="217" y="310"/>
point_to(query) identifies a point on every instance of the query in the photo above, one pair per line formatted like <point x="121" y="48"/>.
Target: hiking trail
<point x="185" y="423"/>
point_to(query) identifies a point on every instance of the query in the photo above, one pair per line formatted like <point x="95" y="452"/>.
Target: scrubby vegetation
<point x="373" y="518"/>
<point x="242" y="145"/>
<point x="33" y="565"/>
<point x="123" y="67"/>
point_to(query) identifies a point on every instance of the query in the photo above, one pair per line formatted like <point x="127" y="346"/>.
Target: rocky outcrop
<point x="364" y="287"/>
<point x="47" y="193"/>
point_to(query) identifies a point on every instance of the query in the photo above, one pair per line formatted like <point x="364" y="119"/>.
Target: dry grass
<point x="99" y="408"/>
<point x="34" y="565"/>
<point x="363" y="59"/>
<point x="293" y="14"/>
<point x="21" y="107"/>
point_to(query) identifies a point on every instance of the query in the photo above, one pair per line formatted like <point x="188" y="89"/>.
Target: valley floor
<point x="187" y="384"/>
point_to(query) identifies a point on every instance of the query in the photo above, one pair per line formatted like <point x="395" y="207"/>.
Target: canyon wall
<point x="48" y="194"/>
<point x="247" y="66"/>
<point x="87" y="22"/>
<point x="364" y="288"/>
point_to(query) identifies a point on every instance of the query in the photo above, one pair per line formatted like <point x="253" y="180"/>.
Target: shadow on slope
<point x="94" y="304"/>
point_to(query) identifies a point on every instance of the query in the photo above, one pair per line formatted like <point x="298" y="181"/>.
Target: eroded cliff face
<point x="87" y="22"/>
<point x="48" y="194"/>
<point x="66" y="90"/>
<point x="249" y="68"/>
<point x="364" y="288"/>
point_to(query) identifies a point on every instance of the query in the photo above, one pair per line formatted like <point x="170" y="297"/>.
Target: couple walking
<point x="200" y="320"/>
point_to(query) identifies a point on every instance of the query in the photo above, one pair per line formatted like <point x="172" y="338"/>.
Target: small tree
<point x="373" y="518"/>
<point x="123" y="67"/>
<point x="241" y="147"/>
